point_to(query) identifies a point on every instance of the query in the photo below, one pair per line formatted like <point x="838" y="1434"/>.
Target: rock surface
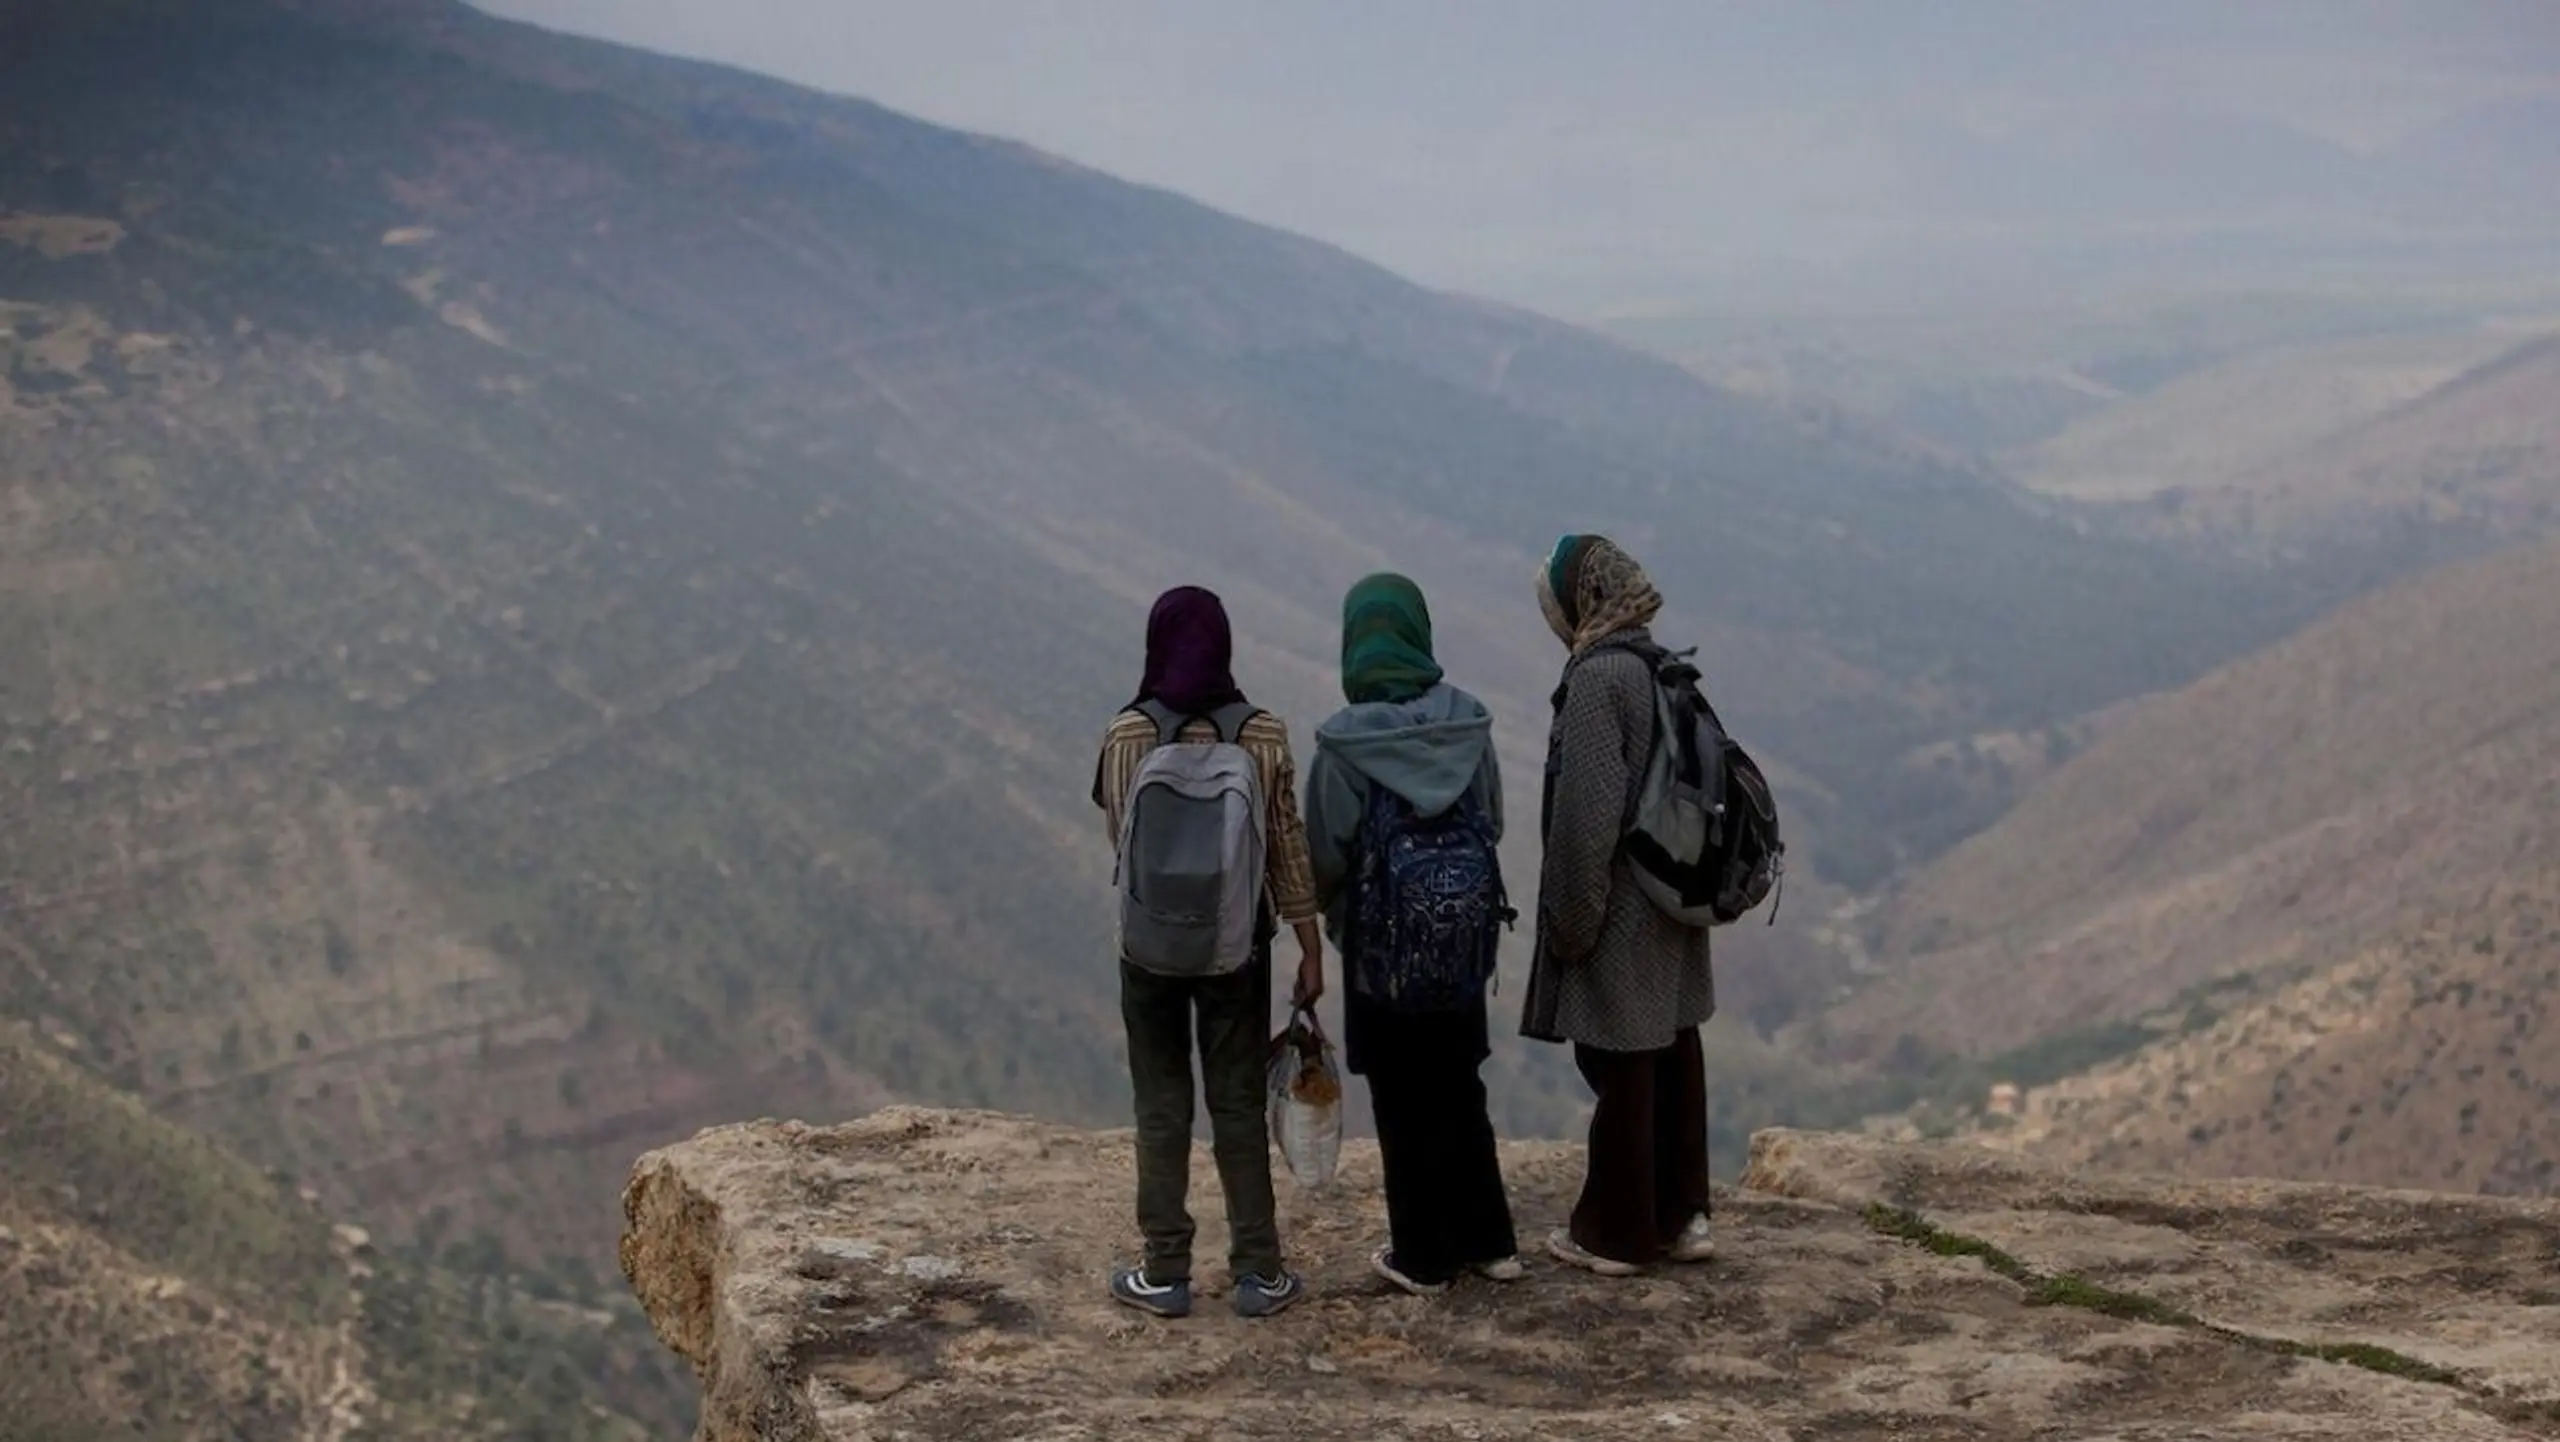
<point x="937" y="1275"/>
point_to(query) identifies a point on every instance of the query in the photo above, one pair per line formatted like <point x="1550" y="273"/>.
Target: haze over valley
<point x="553" y="595"/>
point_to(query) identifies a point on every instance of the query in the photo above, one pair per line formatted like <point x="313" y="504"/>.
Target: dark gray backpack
<point x="1702" y="832"/>
<point x="1190" y="867"/>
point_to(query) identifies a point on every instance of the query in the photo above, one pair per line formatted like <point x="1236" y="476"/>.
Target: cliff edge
<point x="931" y="1275"/>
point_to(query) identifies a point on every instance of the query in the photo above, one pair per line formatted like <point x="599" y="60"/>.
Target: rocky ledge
<point x="936" y="1275"/>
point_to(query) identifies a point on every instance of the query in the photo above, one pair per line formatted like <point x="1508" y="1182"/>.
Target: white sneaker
<point x="1562" y="1246"/>
<point x="1697" y="1241"/>
<point x="1383" y="1262"/>
<point x="1502" y="1269"/>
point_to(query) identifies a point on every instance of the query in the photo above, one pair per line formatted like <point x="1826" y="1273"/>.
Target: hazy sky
<point x="1554" y="149"/>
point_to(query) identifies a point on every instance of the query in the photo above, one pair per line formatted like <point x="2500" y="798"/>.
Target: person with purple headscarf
<point x="1190" y="673"/>
<point x="1190" y="653"/>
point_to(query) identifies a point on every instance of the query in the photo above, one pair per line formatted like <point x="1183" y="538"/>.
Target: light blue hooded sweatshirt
<point x="1430" y="751"/>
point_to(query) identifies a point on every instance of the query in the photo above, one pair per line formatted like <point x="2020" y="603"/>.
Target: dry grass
<point x="51" y="348"/>
<point x="2069" y="1289"/>
<point x="59" y="237"/>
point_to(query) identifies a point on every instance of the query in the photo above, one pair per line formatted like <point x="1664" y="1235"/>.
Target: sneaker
<point x="1697" y="1241"/>
<point x="1501" y="1269"/>
<point x="1268" y="1296"/>
<point x="1383" y="1262"/>
<point x="1562" y="1246"/>
<point x="1130" y="1288"/>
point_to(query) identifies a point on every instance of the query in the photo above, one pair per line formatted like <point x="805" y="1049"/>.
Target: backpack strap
<point x="1650" y="652"/>
<point x="1660" y="659"/>
<point x="1231" y="719"/>
<point x="1659" y="662"/>
<point x="1653" y="652"/>
<point x="1167" y="721"/>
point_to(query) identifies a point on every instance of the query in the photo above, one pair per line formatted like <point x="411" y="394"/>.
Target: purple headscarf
<point x="1189" y="653"/>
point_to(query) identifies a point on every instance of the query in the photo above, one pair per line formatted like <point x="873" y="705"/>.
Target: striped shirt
<point x="1290" y="878"/>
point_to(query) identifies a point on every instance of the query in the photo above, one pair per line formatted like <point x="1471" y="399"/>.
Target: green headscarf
<point x="1386" y="641"/>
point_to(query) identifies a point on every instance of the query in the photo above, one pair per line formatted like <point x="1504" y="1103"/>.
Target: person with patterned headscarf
<point x="1190" y="653"/>
<point x="1626" y="985"/>
<point x="1431" y="744"/>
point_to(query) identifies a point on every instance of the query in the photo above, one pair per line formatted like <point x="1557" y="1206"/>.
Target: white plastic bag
<point x="1306" y="1100"/>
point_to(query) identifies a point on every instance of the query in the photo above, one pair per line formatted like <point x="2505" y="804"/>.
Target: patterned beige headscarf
<point x="1589" y="589"/>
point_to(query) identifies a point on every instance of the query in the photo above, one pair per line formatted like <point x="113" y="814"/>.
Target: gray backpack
<point x="1190" y="868"/>
<point x="1702" y="832"/>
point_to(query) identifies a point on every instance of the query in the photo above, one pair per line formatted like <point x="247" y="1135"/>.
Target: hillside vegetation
<point x="2427" y="1060"/>
<point x="152" y="1286"/>
<point x="2387" y="774"/>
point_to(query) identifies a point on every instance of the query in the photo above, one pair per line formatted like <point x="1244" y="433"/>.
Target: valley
<point x="2397" y="752"/>
<point x="555" y="596"/>
<point x="2185" y="895"/>
<point x="552" y="597"/>
<point x="2295" y="919"/>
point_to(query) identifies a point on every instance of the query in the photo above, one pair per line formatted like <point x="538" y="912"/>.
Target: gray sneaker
<point x="1268" y="1296"/>
<point x="1383" y="1262"/>
<point x="1562" y="1247"/>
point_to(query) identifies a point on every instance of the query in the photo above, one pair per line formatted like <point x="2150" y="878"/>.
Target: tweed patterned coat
<point x="1610" y="970"/>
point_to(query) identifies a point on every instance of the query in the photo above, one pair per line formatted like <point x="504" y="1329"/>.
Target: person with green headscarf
<point x="1412" y="751"/>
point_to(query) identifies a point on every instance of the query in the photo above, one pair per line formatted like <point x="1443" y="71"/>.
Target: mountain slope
<point x="2122" y="375"/>
<point x="151" y="1286"/>
<point x="2286" y="812"/>
<point x="552" y="596"/>
<point x="2482" y="450"/>
<point x="2206" y="430"/>
<point x="2371" y="441"/>
<point x="2425" y="1061"/>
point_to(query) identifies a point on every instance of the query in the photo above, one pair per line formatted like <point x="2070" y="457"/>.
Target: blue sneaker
<point x="1268" y="1296"/>
<point x="1130" y="1288"/>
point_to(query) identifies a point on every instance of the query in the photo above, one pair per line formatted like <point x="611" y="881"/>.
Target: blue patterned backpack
<point x="1428" y="907"/>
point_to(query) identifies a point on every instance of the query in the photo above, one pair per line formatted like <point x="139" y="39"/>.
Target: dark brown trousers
<point x="1647" y="1171"/>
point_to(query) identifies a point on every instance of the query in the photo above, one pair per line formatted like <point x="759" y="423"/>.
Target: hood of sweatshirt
<point x="1425" y="750"/>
